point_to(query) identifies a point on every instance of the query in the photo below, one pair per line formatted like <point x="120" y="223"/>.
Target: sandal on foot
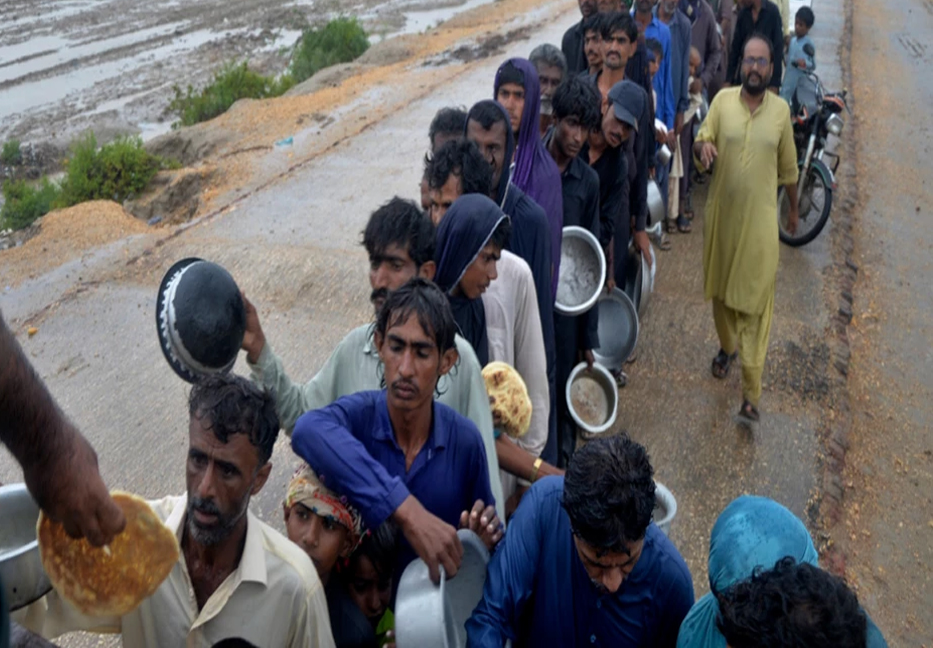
<point x="621" y="378"/>
<point x="665" y="243"/>
<point x="722" y="363"/>
<point x="749" y="412"/>
<point x="683" y="225"/>
<point x="670" y="225"/>
<point x="688" y="208"/>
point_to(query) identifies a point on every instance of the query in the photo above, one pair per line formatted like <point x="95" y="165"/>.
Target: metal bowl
<point x="664" y="155"/>
<point x="618" y="329"/>
<point x="665" y="507"/>
<point x="633" y="280"/>
<point x="647" y="280"/>
<point x="435" y="615"/>
<point x="24" y="579"/>
<point x="655" y="202"/>
<point x="582" y="271"/>
<point x="592" y="398"/>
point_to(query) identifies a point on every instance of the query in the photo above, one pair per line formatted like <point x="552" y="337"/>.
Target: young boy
<point x="679" y="210"/>
<point x="798" y="61"/>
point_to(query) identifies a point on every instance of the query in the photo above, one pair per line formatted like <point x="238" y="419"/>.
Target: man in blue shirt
<point x="583" y="565"/>
<point x="651" y="27"/>
<point x="397" y="453"/>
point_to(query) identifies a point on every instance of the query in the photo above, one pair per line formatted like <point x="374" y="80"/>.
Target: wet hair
<point x="381" y="547"/>
<point x="487" y="114"/>
<point x="618" y="21"/>
<point x="402" y="223"/>
<point x="461" y="158"/>
<point x="609" y="493"/>
<point x="791" y="605"/>
<point x="579" y="98"/>
<point x="447" y="121"/>
<point x="425" y="300"/>
<point x="502" y="234"/>
<point x="234" y="405"/>
<point x="805" y="15"/>
<point x="593" y="23"/>
<point x="764" y="39"/>
<point x="654" y="45"/>
<point x="549" y="55"/>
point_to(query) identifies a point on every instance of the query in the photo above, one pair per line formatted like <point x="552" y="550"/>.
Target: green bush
<point x="117" y="171"/>
<point x="231" y="83"/>
<point x="339" y="41"/>
<point x="11" y="154"/>
<point x="24" y="203"/>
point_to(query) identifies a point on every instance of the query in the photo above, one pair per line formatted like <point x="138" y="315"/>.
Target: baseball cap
<point x="628" y="102"/>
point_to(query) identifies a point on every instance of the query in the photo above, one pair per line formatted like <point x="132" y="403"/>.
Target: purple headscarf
<point x="536" y="173"/>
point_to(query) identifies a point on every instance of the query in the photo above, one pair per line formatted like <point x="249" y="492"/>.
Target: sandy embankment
<point x="231" y="154"/>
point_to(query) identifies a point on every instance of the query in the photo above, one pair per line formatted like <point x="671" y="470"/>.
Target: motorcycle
<point x="815" y="115"/>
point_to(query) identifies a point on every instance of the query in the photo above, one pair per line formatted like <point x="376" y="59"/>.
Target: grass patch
<point x="11" y="155"/>
<point x="231" y="83"/>
<point x="24" y="203"/>
<point x="117" y="171"/>
<point x="339" y="41"/>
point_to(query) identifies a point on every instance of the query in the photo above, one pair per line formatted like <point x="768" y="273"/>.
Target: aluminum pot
<point x="665" y="507"/>
<point x="655" y="203"/>
<point x="576" y="291"/>
<point x="24" y="579"/>
<point x="435" y="615"/>
<point x="618" y="329"/>
<point x="596" y="390"/>
<point x="664" y="155"/>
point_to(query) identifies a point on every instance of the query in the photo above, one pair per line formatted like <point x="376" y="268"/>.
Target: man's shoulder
<point x="548" y="491"/>
<point x="289" y="569"/>
<point x="515" y="269"/>
<point x="668" y="566"/>
<point x="356" y="339"/>
<point x="574" y="30"/>
<point x="468" y="433"/>
<point x="530" y="209"/>
<point x="588" y="174"/>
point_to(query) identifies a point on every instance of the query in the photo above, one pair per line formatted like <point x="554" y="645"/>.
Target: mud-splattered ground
<point x="109" y="65"/>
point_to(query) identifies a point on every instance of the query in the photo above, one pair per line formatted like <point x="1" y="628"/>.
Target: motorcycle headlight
<point x="834" y="124"/>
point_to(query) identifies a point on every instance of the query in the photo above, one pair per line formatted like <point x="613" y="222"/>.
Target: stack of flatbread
<point x="508" y="398"/>
<point x="113" y="580"/>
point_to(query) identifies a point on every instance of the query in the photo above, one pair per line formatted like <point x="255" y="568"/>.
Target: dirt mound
<point x="65" y="235"/>
<point x="172" y="196"/>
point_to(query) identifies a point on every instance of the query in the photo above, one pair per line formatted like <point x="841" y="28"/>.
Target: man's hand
<point x="678" y="127"/>
<point x="793" y="219"/>
<point x="697" y="86"/>
<point x="435" y="541"/>
<point x="643" y="245"/>
<point x="707" y="154"/>
<point x="660" y="134"/>
<point x="67" y="486"/>
<point x="588" y="357"/>
<point x="802" y="64"/>
<point x="484" y="522"/>
<point x="253" y="339"/>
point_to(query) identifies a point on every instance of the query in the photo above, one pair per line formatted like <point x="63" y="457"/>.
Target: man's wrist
<point x="255" y="349"/>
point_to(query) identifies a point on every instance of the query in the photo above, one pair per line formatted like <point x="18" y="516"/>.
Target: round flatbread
<point x="112" y="580"/>
<point x="508" y="398"/>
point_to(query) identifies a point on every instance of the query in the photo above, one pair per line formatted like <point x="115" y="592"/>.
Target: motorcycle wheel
<point x="814" y="204"/>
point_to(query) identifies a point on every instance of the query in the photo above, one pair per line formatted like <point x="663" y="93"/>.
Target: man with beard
<point x="399" y="239"/>
<point x="552" y="70"/>
<point x="577" y="113"/>
<point x="582" y="563"/>
<point x="489" y="128"/>
<point x="396" y="453"/>
<point x="757" y="17"/>
<point x="749" y="135"/>
<point x="572" y="44"/>
<point x="235" y="576"/>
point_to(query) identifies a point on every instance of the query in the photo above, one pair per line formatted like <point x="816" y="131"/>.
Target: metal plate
<point x="21" y="570"/>
<point x="618" y="330"/>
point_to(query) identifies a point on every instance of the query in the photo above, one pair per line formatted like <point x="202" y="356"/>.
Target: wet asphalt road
<point x="294" y="248"/>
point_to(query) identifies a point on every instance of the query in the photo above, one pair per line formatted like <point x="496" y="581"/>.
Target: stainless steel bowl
<point x="582" y="271"/>
<point x="665" y="507"/>
<point x="435" y="615"/>
<point x="592" y="398"/>
<point x="24" y="579"/>
<point x="655" y="203"/>
<point x="647" y="280"/>
<point x="618" y="329"/>
<point x="664" y="155"/>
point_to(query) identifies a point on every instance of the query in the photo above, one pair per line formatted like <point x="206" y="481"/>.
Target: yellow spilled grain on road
<point x="65" y="235"/>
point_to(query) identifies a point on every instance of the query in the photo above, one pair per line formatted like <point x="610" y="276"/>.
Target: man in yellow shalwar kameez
<point x="748" y="133"/>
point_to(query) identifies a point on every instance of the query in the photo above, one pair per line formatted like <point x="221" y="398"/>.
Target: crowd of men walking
<point x="397" y="442"/>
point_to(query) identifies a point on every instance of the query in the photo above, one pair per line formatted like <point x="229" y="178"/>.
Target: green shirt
<point x="354" y="367"/>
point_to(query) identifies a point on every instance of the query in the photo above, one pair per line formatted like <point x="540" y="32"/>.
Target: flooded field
<point x="110" y="65"/>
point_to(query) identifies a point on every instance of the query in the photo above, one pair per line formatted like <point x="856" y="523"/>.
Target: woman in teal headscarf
<point x="751" y="532"/>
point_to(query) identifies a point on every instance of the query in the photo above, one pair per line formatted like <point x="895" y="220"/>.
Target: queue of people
<point x="397" y="444"/>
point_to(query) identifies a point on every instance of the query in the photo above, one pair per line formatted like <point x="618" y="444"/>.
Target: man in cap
<point x="749" y="135"/>
<point x="583" y="564"/>
<point x="399" y="239"/>
<point x="396" y="453"/>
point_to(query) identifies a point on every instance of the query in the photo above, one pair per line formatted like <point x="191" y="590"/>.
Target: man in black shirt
<point x="572" y="43"/>
<point x="577" y="111"/>
<point x="757" y="17"/>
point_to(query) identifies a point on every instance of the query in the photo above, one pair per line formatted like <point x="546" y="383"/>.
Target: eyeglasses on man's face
<point x="758" y="62"/>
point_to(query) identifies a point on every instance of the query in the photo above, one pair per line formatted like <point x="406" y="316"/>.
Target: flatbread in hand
<point x="112" y="580"/>
<point x="508" y="398"/>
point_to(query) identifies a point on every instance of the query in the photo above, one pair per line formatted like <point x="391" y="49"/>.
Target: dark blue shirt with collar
<point x="351" y="445"/>
<point x="538" y="593"/>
